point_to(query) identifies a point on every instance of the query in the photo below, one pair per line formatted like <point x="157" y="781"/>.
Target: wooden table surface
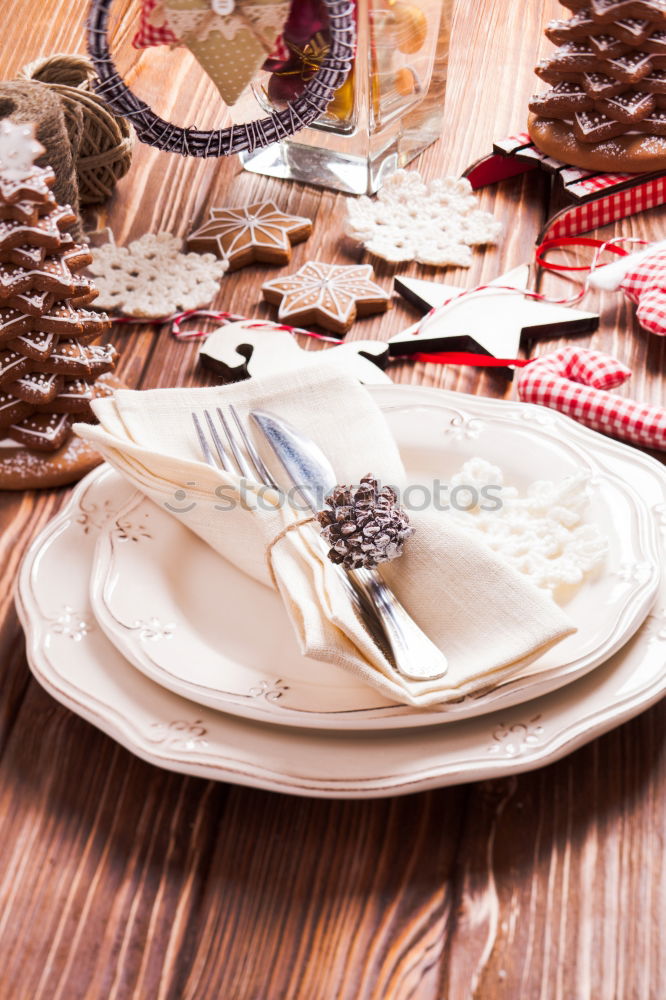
<point x="118" y="880"/>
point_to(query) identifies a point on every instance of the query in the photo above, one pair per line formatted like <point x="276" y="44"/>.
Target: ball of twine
<point x="105" y="150"/>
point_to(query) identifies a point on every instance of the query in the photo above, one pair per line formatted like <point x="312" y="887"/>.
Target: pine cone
<point x="365" y="525"/>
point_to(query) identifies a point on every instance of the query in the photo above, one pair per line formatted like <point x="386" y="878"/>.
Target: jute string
<point x="278" y="538"/>
<point x="101" y="143"/>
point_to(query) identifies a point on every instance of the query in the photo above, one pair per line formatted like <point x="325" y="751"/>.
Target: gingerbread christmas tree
<point x="48" y="365"/>
<point x="605" y="108"/>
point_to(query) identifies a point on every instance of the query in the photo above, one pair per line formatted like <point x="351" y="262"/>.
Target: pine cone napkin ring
<point x="364" y="525"/>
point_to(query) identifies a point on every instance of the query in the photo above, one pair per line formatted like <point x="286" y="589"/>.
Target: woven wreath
<point x="298" y="114"/>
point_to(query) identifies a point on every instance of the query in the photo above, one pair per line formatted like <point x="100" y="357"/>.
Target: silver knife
<point x="414" y="655"/>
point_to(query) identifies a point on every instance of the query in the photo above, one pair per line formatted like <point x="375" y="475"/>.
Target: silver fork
<point x="413" y="654"/>
<point x="259" y="472"/>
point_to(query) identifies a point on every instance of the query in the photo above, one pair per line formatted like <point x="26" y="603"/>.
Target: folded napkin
<point x="490" y="621"/>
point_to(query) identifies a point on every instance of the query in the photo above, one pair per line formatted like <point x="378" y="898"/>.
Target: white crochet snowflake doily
<point x="541" y="534"/>
<point x="432" y="223"/>
<point x="151" y="278"/>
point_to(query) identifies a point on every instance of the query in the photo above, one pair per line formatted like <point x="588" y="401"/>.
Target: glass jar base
<point x="388" y="111"/>
<point x="325" y="168"/>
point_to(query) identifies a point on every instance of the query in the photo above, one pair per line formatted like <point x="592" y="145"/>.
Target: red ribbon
<point x="467" y="358"/>
<point x="176" y="319"/>
<point x="573" y="241"/>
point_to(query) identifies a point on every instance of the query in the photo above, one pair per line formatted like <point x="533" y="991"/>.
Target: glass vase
<point x="389" y="110"/>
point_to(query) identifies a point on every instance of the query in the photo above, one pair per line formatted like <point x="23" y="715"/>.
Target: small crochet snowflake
<point x="542" y="533"/>
<point x="151" y="278"/>
<point x="432" y="223"/>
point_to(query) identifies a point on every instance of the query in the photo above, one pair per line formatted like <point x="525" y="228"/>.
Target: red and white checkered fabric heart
<point x="153" y="27"/>
<point x="575" y="381"/>
<point x="646" y="286"/>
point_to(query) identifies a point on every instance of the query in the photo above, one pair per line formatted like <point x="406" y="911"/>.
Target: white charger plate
<point x="72" y="658"/>
<point x="194" y="623"/>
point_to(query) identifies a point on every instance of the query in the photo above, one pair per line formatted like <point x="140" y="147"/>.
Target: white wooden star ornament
<point x="493" y="321"/>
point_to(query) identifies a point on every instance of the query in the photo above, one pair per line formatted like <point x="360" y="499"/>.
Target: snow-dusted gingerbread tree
<point x="48" y="366"/>
<point x="605" y="108"/>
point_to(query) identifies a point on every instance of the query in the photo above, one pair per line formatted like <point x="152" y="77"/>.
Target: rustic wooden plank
<point x="126" y="849"/>
<point x="377" y="933"/>
<point x="562" y="891"/>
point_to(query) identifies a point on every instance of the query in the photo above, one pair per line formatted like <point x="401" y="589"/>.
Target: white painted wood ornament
<point x="609" y="278"/>
<point x="494" y="321"/>
<point x="641" y="276"/>
<point x="250" y="348"/>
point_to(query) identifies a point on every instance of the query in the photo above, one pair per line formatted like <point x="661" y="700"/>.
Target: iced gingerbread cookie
<point x="20" y="179"/>
<point x="634" y="153"/>
<point x="26" y="244"/>
<point x="74" y="360"/>
<point x="258" y="233"/>
<point x="75" y="396"/>
<point x="37" y="388"/>
<point x="28" y="465"/>
<point x="56" y="275"/>
<point x="36" y="346"/>
<point x="330" y="295"/>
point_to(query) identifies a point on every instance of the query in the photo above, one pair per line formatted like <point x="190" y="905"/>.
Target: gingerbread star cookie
<point x="331" y="295"/>
<point x="249" y="234"/>
<point x="57" y="275"/>
<point x="26" y="244"/>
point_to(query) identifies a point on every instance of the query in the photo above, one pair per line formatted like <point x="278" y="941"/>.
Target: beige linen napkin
<point x="490" y="621"/>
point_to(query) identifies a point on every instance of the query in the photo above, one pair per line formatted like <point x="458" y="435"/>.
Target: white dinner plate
<point x="72" y="658"/>
<point x="194" y="623"/>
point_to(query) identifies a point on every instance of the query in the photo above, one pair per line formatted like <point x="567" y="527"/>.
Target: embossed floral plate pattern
<point x="72" y="658"/>
<point x="191" y="621"/>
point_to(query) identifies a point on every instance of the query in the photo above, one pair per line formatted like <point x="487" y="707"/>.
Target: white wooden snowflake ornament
<point x="18" y="149"/>
<point x="151" y="278"/>
<point x="434" y="223"/>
